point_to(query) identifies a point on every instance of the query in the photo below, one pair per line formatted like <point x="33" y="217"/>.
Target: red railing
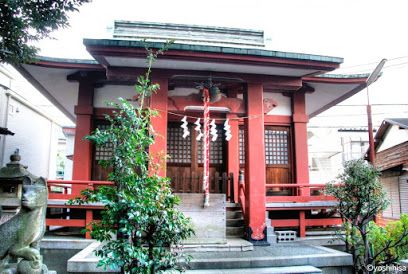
<point x="303" y="198"/>
<point x="301" y="193"/>
<point x="60" y="192"/>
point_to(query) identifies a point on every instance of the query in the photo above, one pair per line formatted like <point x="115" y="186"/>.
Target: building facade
<point x="267" y="96"/>
<point x="391" y="147"/>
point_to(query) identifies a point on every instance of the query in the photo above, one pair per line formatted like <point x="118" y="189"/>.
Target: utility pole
<point x="371" y="79"/>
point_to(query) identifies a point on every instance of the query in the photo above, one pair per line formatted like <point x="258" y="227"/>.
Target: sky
<point x="361" y="31"/>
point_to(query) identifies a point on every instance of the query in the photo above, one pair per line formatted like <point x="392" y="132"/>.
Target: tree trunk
<point x="367" y="251"/>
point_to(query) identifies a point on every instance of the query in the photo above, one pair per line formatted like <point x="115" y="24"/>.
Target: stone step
<point x="261" y="270"/>
<point x="234" y="214"/>
<point x="235" y="231"/>
<point x="235" y="222"/>
<point x="229" y="205"/>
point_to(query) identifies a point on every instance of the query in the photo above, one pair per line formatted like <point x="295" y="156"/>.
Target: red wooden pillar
<point x="233" y="154"/>
<point x="255" y="165"/>
<point x="158" y="101"/>
<point x="300" y="120"/>
<point x="82" y="163"/>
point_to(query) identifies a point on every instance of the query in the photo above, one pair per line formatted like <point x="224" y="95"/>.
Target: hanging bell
<point x="215" y="94"/>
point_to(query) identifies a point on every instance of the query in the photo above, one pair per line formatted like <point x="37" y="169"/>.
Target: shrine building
<point x="267" y="96"/>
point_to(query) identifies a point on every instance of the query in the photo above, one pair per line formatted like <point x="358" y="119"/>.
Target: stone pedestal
<point x="270" y="232"/>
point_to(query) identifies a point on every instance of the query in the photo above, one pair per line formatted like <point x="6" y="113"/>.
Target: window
<point x="276" y="146"/>
<point x="215" y="148"/>
<point x="241" y="146"/>
<point x="178" y="148"/>
<point x="103" y="152"/>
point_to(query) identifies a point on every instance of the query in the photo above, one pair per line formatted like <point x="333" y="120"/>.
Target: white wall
<point x="69" y="150"/>
<point x="284" y="106"/>
<point x="111" y="93"/>
<point x="3" y="121"/>
<point x="35" y="137"/>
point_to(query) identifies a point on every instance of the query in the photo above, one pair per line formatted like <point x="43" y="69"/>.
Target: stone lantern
<point x="23" y="204"/>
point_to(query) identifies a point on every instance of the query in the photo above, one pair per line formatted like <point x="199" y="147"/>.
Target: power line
<point x="364" y="114"/>
<point x="364" y="105"/>
<point x="373" y="63"/>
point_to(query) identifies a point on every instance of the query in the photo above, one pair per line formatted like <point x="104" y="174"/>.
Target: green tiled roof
<point x="213" y="49"/>
<point x="67" y="60"/>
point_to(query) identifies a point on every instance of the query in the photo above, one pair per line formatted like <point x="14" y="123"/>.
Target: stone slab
<point x="288" y="254"/>
<point x="306" y="205"/>
<point x="85" y="261"/>
<point x="64" y="243"/>
<point x="280" y="255"/>
<point x="322" y="240"/>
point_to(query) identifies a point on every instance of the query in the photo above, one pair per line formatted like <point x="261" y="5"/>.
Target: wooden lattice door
<point x="185" y="162"/>
<point x="101" y="153"/>
<point x="277" y="158"/>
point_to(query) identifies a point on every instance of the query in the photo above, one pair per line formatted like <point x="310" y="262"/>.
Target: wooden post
<point x="255" y="165"/>
<point x="302" y="224"/>
<point x="158" y="102"/>
<point x="82" y="164"/>
<point x="88" y="221"/>
<point x="300" y="120"/>
<point x="233" y="155"/>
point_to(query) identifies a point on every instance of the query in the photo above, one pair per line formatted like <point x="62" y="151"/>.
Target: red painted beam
<point x="280" y="120"/>
<point x="285" y="223"/>
<point x="75" y="206"/>
<point x="127" y="74"/>
<point x="323" y="222"/>
<point x="79" y="182"/>
<point x="308" y="222"/>
<point x="66" y="222"/>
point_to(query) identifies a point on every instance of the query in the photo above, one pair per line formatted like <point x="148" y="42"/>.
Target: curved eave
<point x="51" y="62"/>
<point x="331" y="89"/>
<point x="103" y="49"/>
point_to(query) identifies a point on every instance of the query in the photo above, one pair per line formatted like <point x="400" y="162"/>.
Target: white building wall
<point x="35" y="137"/>
<point x="403" y="191"/>
<point x="3" y="120"/>
<point x="284" y="104"/>
<point x="69" y="150"/>
<point x="110" y="93"/>
<point x="32" y="138"/>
